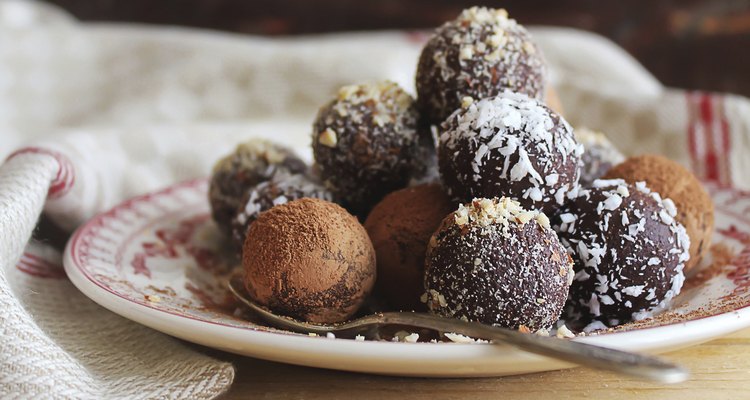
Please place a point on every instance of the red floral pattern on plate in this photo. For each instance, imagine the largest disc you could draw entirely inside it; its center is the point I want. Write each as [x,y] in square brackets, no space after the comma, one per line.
[162,251]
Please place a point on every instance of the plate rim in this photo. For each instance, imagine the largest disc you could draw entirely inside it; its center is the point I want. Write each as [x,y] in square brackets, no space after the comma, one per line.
[731,321]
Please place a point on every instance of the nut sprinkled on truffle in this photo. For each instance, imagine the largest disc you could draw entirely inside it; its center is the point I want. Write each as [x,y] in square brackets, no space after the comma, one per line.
[366,143]
[251,163]
[479,54]
[509,145]
[484,212]
[495,262]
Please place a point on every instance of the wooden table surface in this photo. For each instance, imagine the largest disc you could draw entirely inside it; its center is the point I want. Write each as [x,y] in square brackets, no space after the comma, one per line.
[720,370]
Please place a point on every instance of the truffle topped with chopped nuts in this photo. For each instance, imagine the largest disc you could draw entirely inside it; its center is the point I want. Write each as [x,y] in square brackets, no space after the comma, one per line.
[629,253]
[366,144]
[509,145]
[479,54]
[251,163]
[493,261]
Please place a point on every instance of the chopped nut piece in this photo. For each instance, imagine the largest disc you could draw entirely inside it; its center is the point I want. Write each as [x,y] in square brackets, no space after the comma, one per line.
[328,138]
[543,220]
[529,48]
[542,332]
[348,91]
[564,332]
[411,338]
[153,298]
[525,217]
[467,52]
[466,101]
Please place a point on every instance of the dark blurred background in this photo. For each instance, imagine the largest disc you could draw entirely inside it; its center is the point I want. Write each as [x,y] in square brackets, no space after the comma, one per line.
[692,44]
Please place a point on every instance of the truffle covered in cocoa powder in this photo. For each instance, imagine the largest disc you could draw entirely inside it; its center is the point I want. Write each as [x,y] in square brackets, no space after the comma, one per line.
[366,143]
[495,262]
[251,163]
[309,259]
[280,189]
[695,209]
[480,54]
[400,227]
[629,253]
[509,145]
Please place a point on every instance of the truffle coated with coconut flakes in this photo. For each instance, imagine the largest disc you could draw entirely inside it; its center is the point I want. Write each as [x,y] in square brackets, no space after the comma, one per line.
[494,262]
[479,54]
[695,209]
[366,143]
[599,155]
[509,145]
[629,253]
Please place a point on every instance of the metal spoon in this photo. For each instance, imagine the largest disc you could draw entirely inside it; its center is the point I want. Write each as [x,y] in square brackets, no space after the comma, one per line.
[632,364]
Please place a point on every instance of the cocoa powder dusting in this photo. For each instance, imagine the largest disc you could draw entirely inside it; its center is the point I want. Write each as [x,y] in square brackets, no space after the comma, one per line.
[400,227]
[309,259]
[721,256]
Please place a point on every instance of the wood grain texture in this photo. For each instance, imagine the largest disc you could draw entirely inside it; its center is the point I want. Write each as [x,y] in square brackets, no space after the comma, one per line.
[720,370]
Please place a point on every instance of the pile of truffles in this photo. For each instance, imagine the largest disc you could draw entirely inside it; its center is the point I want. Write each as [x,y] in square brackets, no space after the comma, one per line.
[477,200]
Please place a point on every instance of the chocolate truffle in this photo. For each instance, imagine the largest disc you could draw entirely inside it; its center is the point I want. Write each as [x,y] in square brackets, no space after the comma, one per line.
[480,54]
[309,259]
[366,144]
[280,189]
[494,262]
[599,155]
[628,249]
[400,226]
[509,145]
[427,171]
[695,210]
[251,163]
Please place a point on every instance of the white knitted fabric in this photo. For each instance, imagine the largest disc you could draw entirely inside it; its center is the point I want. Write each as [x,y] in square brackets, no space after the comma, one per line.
[113,111]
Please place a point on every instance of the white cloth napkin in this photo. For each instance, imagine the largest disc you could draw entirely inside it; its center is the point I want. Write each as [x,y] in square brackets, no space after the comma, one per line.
[115,110]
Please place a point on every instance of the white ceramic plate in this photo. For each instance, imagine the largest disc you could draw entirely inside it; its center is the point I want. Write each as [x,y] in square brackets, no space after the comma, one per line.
[159,260]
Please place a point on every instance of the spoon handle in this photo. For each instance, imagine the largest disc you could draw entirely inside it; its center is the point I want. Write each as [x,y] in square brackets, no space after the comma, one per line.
[636,365]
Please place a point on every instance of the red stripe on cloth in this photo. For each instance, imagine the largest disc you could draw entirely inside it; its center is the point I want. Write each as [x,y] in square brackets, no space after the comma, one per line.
[707,117]
[725,145]
[693,128]
[718,141]
[65,178]
[40,268]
